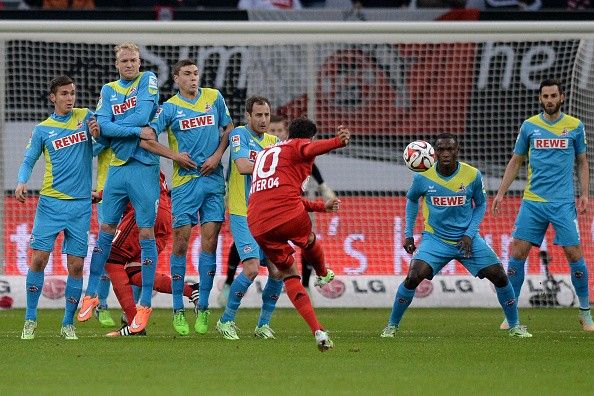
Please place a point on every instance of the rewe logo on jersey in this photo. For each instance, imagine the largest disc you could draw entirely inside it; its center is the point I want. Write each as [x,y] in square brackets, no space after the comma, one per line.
[69,140]
[456,200]
[196,122]
[118,109]
[551,143]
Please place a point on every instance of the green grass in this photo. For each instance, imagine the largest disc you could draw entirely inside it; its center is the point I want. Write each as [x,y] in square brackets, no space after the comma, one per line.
[437,351]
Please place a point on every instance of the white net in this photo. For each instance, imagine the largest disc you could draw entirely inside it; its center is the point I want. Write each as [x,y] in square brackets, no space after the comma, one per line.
[388,93]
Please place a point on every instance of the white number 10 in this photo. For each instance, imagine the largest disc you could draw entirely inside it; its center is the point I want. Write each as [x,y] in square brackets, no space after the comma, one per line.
[259,172]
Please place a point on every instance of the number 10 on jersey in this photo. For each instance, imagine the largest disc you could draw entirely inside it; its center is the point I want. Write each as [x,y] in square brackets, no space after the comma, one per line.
[264,179]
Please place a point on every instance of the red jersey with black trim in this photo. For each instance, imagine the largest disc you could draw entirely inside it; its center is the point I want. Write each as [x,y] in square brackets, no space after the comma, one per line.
[278,180]
[125,247]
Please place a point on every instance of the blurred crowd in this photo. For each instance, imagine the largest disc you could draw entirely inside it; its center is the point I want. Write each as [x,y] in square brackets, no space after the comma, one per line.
[299,4]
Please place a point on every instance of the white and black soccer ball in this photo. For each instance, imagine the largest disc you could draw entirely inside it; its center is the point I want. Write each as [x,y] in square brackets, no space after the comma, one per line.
[419,156]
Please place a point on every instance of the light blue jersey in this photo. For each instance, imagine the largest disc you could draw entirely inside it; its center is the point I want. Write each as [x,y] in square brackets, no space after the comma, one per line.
[67,146]
[125,106]
[193,126]
[447,202]
[244,143]
[551,148]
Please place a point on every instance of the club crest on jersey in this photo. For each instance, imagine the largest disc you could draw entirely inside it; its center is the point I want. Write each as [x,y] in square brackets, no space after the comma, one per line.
[132,91]
[79,125]
[153,84]
[119,109]
[456,200]
[462,188]
[544,144]
[207,108]
[565,132]
[69,140]
[196,122]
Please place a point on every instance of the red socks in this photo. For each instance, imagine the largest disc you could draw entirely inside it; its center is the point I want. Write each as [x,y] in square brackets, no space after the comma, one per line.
[300,299]
[122,289]
[162,283]
[315,255]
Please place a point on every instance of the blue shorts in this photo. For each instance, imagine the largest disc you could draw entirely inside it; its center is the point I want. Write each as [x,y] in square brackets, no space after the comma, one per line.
[73,216]
[437,253]
[534,218]
[136,183]
[204,196]
[244,241]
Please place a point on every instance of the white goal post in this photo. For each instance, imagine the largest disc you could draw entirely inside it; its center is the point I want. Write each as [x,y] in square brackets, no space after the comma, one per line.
[391,83]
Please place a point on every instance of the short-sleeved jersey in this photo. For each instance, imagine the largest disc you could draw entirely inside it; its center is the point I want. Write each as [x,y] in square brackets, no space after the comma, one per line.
[448,201]
[67,146]
[118,100]
[244,143]
[279,176]
[193,126]
[104,155]
[125,245]
[551,148]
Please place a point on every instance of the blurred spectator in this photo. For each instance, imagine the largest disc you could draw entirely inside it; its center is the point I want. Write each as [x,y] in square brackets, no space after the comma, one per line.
[525,5]
[270,4]
[380,3]
[73,4]
[313,3]
[441,3]
[580,4]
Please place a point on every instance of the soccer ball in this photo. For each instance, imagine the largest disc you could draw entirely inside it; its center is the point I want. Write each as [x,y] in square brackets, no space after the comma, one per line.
[419,156]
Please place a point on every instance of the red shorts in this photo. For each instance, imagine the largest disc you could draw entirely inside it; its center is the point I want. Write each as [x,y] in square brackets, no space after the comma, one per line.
[125,247]
[275,243]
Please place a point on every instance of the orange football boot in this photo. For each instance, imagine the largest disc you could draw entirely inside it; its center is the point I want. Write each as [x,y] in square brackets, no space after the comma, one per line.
[86,308]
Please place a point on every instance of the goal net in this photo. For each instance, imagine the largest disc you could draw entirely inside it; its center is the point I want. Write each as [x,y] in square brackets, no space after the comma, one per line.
[389,83]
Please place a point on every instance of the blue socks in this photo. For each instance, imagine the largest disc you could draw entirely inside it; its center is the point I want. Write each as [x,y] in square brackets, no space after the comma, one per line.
[402,300]
[148,258]
[136,291]
[34,284]
[178,274]
[207,267]
[515,273]
[72,296]
[238,289]
[579,279]
[98,260]
[103,290]
[270,296]
[509,303]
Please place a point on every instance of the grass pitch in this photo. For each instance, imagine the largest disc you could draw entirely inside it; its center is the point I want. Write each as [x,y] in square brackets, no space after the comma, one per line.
[437,351]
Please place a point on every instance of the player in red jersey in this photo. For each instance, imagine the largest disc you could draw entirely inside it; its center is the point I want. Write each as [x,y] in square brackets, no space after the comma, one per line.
[277,213]
[123,264]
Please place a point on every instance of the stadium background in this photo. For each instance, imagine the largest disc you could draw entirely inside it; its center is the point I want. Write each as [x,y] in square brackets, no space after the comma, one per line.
[388,93]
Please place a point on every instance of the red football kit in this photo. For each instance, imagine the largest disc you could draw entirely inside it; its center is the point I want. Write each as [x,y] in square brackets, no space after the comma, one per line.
[125,247]
[126,250]
[277,213]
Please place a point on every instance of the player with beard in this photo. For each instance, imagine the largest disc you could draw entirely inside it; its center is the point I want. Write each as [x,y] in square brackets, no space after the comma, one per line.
[553,142]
